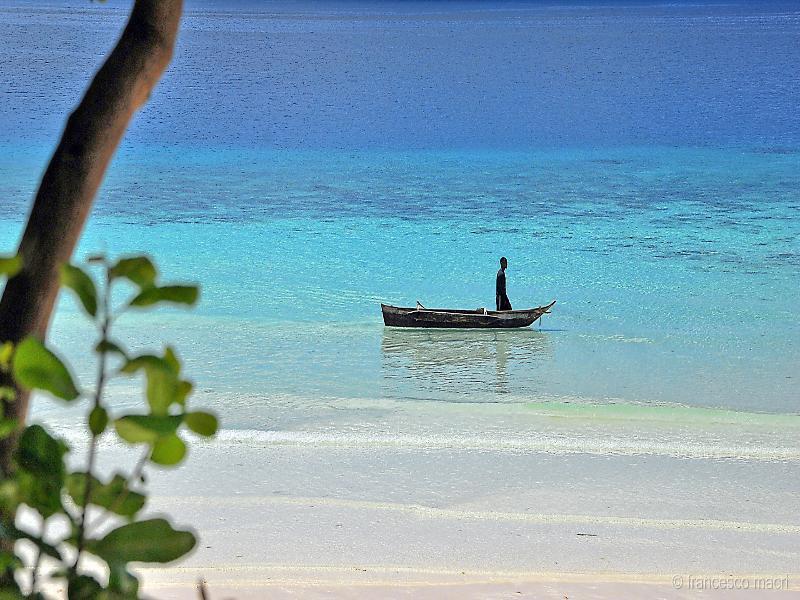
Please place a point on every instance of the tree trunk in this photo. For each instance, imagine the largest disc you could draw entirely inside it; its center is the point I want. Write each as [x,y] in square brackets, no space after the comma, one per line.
[68,187]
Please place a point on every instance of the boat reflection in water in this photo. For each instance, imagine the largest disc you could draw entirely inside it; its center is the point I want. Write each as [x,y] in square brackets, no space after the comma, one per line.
[463,365]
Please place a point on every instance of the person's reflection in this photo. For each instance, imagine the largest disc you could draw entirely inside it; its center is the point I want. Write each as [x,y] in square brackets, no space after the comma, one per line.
[501,360]
[465,366]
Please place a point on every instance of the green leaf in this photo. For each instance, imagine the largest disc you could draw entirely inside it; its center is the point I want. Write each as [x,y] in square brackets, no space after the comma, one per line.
[172,359]
[161,390]
[109,347]
[7,394]
[177,294]
[137,269]
[184,388]
[40,453]
[163,385]
[79,282]
[40,472]
[10,265]
[148,362]
[137,429]
[83,587]
[8,560]
[168,450]
[114,496]
[43,494]
[35,367]
[130,503]
[202,423]
[149,541]
[9,495]
[122,585]
[7,427]
[75,485]
[98,420]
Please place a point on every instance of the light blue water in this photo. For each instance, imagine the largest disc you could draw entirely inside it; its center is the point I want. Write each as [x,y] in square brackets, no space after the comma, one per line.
[638,162]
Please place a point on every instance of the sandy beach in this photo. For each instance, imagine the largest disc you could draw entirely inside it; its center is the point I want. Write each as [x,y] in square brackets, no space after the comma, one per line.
[371,514]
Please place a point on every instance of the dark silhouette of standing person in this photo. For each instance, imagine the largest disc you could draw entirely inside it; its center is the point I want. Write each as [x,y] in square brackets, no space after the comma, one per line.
[500,296]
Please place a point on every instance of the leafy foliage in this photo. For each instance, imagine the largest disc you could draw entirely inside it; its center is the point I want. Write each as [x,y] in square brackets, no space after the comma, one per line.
[79,282]
[179,294]
[36,367]
[152,540]
[41,480]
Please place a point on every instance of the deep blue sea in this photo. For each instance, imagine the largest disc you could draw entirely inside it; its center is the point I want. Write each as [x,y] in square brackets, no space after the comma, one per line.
[639,162]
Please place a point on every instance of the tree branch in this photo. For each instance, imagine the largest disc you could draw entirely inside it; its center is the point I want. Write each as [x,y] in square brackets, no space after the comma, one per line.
[68,187]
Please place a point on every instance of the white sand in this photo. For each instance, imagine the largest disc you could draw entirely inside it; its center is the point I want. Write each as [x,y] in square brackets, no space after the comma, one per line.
[339,523]
[422,505]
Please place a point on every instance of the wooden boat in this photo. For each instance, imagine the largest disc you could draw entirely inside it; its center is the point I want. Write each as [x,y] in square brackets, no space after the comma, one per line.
[480,318]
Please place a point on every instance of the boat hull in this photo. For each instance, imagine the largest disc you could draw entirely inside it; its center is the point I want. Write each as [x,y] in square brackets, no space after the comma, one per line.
[448,318]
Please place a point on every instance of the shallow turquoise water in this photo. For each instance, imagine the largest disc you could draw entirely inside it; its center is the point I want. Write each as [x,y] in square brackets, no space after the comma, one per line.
[646,177]
[681,297]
